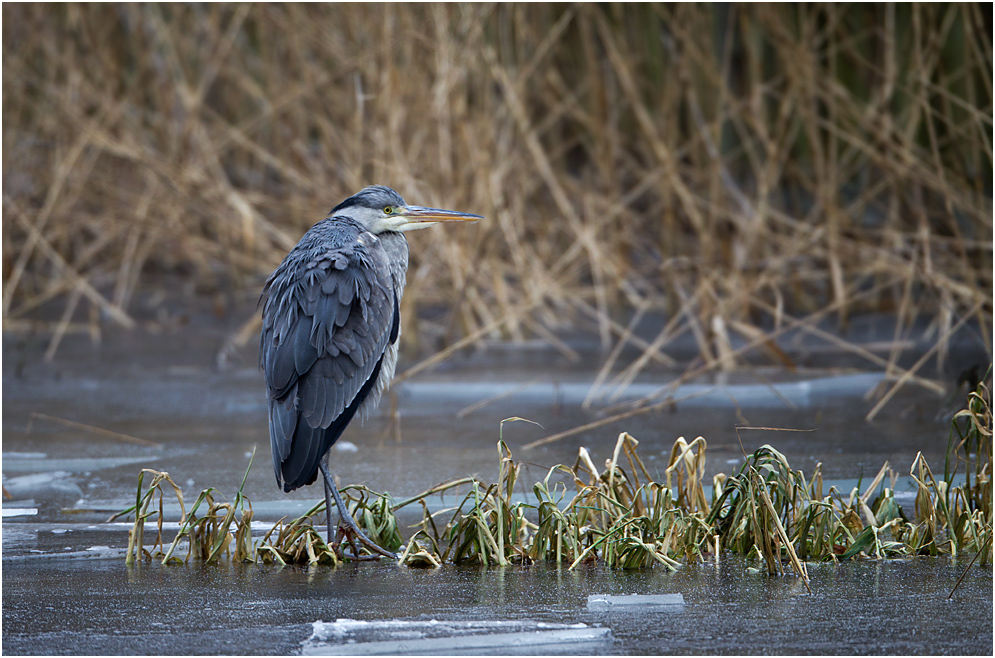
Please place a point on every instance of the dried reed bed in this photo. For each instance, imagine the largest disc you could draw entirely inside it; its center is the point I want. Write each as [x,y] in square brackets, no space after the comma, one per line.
[742,170]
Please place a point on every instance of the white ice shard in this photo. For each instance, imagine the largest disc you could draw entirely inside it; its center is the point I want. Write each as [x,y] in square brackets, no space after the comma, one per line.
[397,636]
[634,602]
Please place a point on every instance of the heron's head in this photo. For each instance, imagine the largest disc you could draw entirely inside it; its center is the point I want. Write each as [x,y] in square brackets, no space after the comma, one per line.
[382,209]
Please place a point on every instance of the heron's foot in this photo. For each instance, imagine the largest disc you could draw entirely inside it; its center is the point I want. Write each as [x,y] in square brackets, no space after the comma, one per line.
[346,522]
[346,533]
[343,532]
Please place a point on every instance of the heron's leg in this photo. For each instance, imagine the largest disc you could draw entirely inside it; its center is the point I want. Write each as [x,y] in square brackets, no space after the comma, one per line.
[328,519]
[346,518]
[328,513]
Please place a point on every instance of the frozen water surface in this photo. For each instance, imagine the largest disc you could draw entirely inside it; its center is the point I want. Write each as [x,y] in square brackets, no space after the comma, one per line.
[65,605]
[66,588]
[433,428]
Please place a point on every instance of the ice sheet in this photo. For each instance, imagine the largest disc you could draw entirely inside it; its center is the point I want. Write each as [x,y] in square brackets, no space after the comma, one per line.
[397,636]
[78,465]
[799,394]
[634,602]
[45,486]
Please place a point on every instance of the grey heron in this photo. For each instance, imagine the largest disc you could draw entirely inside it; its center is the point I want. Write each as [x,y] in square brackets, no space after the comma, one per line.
[330,333]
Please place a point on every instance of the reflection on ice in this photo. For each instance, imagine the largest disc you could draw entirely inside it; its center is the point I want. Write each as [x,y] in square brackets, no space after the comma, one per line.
[396,636]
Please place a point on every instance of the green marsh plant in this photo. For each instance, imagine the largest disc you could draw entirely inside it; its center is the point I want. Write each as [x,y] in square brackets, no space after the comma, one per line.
[620,516]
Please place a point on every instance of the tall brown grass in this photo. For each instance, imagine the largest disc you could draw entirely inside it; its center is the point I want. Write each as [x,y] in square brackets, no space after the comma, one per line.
[743,170]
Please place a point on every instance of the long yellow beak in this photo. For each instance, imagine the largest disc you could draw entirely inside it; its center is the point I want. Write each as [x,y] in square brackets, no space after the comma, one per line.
[420,217]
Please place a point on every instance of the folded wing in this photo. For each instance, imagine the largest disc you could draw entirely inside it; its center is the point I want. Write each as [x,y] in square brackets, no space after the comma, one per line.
[330,314]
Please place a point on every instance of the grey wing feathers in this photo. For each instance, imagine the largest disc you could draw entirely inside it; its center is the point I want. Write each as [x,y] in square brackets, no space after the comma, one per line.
[327,321]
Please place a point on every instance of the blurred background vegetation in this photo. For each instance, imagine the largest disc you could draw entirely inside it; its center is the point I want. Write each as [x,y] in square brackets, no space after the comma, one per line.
[735,170]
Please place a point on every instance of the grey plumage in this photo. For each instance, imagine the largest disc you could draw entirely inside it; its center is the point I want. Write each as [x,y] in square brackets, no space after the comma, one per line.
[331,325]
[330,320]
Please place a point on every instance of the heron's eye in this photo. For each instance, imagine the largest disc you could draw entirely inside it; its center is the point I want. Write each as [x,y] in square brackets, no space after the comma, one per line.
[388,210]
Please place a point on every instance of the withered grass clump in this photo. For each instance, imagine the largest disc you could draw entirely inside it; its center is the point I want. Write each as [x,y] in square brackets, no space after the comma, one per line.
[967,510]
[743,170]
[209,536]
[622,517]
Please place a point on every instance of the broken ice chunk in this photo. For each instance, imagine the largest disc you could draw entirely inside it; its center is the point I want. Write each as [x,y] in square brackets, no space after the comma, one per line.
[396,636]
[633,602]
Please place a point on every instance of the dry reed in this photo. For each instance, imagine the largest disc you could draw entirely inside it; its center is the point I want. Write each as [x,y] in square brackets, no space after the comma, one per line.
[735,168]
